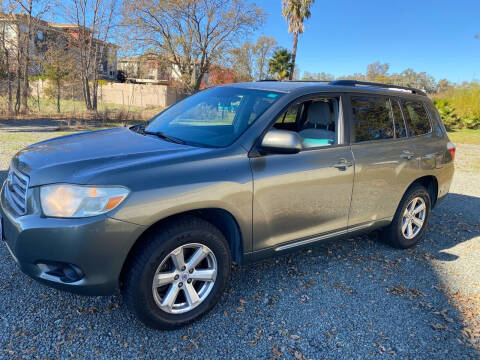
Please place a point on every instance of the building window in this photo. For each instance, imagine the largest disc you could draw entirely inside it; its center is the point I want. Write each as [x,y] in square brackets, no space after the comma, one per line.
[40,35]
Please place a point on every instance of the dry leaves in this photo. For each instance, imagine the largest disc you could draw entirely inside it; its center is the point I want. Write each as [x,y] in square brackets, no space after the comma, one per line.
[439,327]
[276,352]
[298,355]
[400,290]
[444,315]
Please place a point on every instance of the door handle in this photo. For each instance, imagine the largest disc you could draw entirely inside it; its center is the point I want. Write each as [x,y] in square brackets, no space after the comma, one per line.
[406,154]
[343,164]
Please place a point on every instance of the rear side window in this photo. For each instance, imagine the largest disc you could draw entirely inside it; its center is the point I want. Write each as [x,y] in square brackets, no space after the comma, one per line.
[372,118]
[398,119]
[441,131]
[416,118]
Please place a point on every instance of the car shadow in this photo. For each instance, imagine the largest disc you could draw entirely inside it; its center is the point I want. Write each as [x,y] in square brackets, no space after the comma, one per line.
[412,289]
[353,298]
[3,176]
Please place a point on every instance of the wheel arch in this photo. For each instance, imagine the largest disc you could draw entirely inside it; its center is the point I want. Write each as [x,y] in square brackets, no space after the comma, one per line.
[430,182]
[220,218]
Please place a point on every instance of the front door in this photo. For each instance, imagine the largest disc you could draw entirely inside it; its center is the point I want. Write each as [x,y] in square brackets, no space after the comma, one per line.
[299,196]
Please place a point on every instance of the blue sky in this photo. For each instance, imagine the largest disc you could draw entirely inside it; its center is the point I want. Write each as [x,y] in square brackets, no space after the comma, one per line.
[344,36]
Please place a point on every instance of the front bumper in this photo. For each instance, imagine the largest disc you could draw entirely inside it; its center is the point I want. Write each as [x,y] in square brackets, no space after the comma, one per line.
[97,246]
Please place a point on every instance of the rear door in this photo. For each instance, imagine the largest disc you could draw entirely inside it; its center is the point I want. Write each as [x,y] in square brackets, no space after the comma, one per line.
[384,158]
[299,196]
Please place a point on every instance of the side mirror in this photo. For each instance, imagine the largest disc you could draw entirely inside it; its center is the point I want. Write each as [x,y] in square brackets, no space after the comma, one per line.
[281,142]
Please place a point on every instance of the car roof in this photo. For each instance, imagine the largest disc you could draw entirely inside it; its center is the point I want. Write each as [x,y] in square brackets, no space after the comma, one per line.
[332,86]
[280,86]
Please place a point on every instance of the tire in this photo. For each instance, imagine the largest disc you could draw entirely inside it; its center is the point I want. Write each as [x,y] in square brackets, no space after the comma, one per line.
[150,303]
[395,234]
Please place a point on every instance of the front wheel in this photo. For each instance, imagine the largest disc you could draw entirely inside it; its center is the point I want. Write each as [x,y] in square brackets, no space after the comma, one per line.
[178,274]
[410,221]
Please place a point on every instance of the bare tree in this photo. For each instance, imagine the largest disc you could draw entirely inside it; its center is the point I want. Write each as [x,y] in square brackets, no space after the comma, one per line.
[317,76]
[94,22]
[6,49]
[250,61]
[265,48]
[19,21]
[243,58]
[192,34]
[28,18]
[376,69]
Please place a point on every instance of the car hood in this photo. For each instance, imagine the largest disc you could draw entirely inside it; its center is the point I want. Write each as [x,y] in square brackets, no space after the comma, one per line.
[80,158]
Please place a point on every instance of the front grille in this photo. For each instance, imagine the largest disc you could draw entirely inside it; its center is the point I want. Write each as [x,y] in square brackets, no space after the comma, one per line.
[16,190]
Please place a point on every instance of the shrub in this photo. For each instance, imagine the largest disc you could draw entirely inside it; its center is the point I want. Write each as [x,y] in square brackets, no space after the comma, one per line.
[461,109]
[447,112]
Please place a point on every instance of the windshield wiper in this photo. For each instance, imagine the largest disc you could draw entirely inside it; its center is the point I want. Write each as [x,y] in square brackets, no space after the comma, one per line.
[164,136]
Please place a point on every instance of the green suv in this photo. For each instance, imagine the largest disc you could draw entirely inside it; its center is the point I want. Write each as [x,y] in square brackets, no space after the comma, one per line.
[234,173]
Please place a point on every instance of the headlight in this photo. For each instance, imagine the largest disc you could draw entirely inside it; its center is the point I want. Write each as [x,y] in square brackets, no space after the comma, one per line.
[75,201]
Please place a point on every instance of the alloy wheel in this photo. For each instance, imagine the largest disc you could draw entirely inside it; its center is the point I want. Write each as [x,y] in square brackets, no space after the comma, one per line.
[184,278]
[413,218]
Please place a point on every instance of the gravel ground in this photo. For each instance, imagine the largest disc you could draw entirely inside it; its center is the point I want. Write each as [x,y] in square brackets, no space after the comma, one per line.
[355,299]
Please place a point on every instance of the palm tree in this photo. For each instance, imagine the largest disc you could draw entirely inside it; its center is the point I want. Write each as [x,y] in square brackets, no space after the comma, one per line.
[296,11]
[280,64]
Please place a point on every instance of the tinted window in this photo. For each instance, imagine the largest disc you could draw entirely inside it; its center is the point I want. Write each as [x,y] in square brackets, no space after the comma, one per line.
[372,118]
[441,131]
[398,119]
[416,118]
[316,121]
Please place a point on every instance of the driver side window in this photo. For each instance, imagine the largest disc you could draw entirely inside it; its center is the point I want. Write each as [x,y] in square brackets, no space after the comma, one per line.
[316,121]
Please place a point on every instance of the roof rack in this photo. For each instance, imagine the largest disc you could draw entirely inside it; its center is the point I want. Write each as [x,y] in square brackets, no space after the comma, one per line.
[381,85]
[300,81]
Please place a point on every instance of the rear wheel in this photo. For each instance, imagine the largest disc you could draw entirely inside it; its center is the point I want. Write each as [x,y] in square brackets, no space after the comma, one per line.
[178,275]
[410,221]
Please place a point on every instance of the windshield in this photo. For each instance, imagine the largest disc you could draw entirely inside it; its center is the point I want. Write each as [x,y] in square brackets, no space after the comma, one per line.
[215,117]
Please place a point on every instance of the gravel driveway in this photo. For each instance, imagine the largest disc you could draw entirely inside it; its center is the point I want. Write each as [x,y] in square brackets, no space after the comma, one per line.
[353,299]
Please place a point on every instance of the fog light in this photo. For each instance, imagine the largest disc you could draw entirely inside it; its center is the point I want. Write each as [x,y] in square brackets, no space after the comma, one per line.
[66,273]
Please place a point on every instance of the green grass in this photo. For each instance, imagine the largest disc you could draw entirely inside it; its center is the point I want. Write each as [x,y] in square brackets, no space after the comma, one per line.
[44,107]
[11,142]
[465,136]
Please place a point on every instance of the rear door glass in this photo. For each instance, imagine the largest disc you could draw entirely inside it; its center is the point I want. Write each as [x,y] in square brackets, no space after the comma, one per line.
[416,117]
[398,119]
[372,118]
